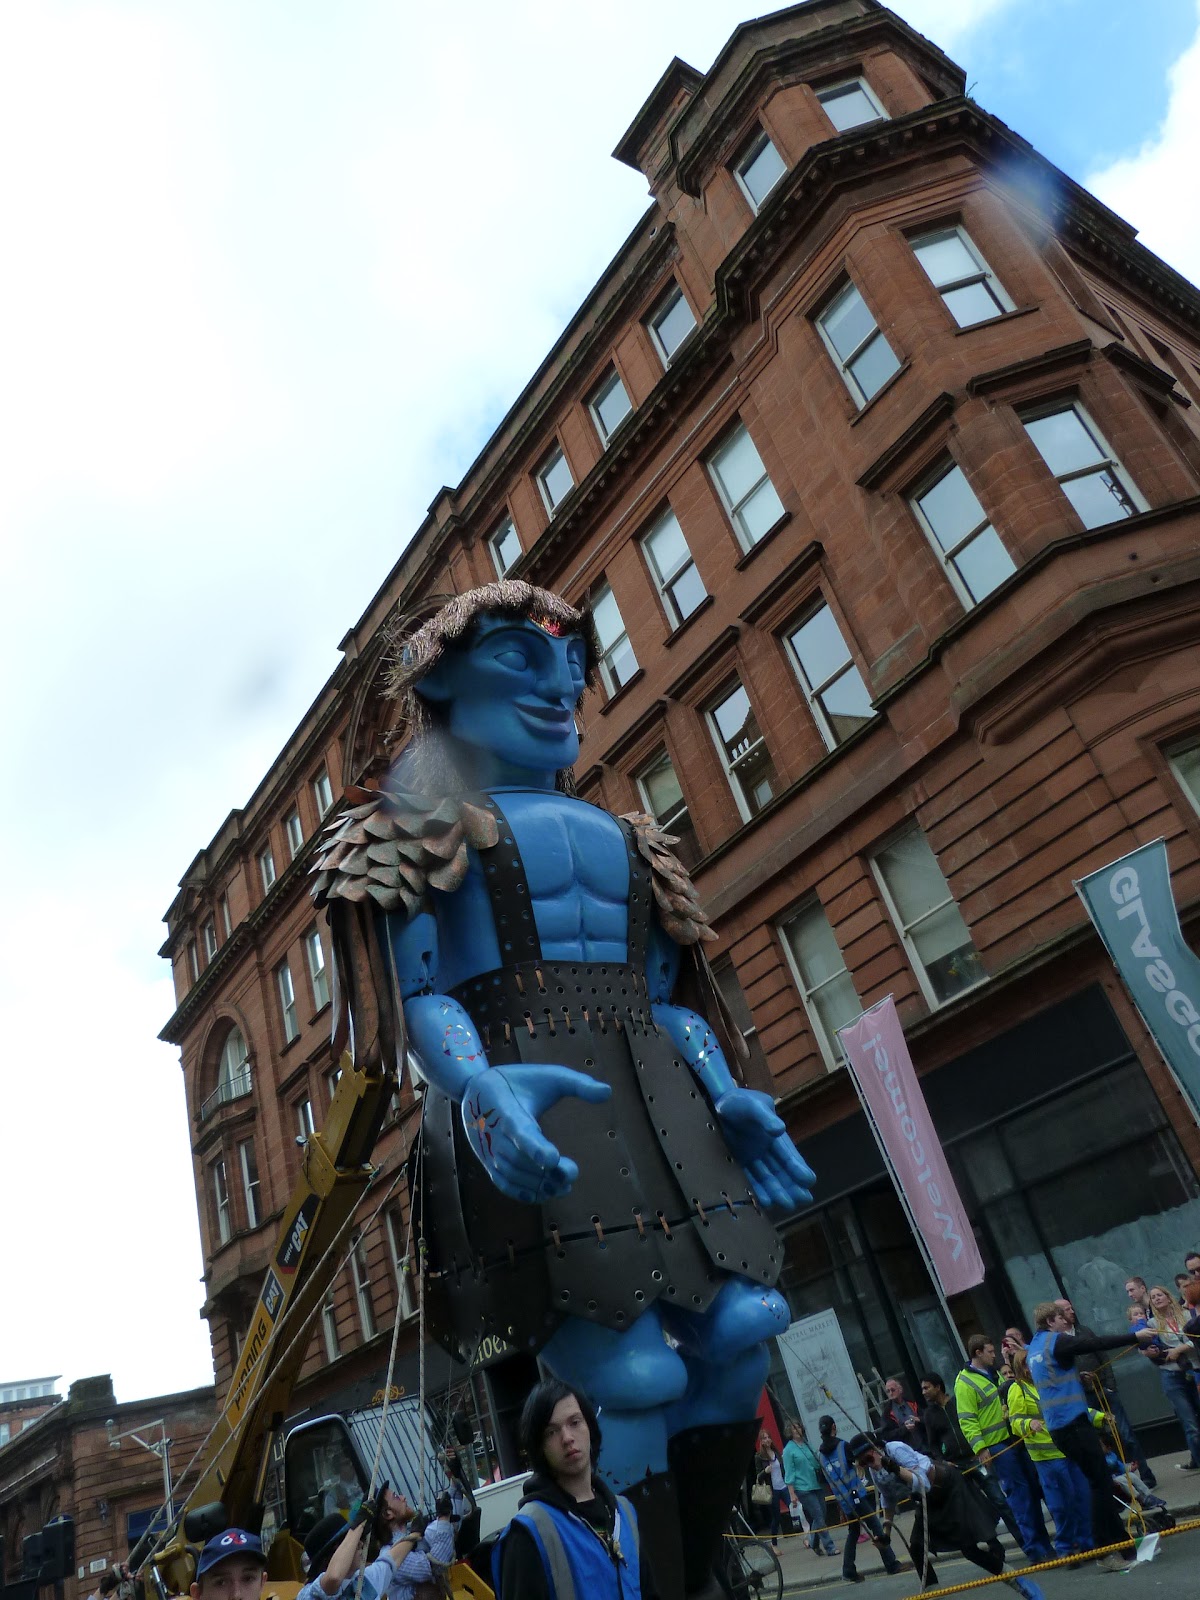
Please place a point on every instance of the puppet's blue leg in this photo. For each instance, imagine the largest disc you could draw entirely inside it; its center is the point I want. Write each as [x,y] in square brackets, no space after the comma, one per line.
[725,1349]
[632,1378]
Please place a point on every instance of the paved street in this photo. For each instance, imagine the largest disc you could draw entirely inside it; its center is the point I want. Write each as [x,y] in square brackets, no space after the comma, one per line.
[1177,1562]
[1171,1574]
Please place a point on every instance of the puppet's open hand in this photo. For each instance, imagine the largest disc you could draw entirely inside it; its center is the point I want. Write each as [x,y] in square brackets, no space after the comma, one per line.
[500,1110]
[760,1145]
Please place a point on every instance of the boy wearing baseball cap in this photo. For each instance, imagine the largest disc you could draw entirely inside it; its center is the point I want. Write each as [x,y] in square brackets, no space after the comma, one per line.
[231,1567]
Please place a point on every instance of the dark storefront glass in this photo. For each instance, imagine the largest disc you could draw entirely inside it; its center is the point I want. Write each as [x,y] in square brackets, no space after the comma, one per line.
[1078,1194]
[1069,1195]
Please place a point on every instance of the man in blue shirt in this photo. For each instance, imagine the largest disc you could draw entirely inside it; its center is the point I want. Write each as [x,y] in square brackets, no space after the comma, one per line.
[334,1551]
[947,1515]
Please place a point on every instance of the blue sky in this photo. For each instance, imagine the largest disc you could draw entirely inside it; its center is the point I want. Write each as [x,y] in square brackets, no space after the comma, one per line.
[1042,66]
[272,274]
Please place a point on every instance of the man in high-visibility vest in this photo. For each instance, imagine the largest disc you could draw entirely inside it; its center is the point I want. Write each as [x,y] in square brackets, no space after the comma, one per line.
[1052,1354]
[984,1422]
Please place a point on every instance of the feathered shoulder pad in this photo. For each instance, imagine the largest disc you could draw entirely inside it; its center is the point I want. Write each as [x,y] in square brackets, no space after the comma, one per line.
[392,845]
[679,909]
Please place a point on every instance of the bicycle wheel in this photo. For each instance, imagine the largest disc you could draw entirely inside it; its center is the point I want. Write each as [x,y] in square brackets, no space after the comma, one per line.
[755,1569]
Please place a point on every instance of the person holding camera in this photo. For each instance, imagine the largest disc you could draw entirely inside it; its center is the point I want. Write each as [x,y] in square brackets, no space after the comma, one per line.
[334,1550]
[853,1495]
[947,1515]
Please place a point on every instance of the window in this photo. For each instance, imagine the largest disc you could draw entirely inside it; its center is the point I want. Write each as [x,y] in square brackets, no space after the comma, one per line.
[404,1283]
[208,935]
[220,1186]
[287,1002]
[833,685]
[1090,476]
[670,323]
[505,547]
[609,406]
[226,919]
[663,798]
[745,489]
[555,480]
[850,105]
[316,968]
[617,660]
[329,1329]
[743,751]
[930,924]
[362,1290]
[969,288]
[295,833]
[863,356]
[968,545]
[249,1168]
[304,1118]
[1185,764]
[266,867]
[322,792]
[674,571]
[819,968]
[759,170]
[5,1432]
[332,1078]
[193,960]
[233,1075]
[739,1012]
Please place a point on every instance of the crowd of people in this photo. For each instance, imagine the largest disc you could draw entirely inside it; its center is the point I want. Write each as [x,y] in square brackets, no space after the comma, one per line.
[1039,1424]
[1038,1421]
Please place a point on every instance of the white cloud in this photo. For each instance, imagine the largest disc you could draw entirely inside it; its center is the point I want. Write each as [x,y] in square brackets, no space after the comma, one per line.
[271,273]
[126,367]
[1156,188]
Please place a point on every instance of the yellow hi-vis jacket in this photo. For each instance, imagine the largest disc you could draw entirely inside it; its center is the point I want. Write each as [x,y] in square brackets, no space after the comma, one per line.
[981,1414]
[1024,1411]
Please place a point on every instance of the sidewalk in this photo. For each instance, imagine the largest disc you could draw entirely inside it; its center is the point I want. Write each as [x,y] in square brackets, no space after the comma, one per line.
[803,1569]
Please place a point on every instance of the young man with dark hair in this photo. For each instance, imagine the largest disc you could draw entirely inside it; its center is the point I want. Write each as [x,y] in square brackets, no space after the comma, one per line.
[572,1538]
[231,1567]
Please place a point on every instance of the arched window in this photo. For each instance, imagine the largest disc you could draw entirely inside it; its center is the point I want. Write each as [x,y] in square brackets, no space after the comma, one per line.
[233,1073]
[234,1076]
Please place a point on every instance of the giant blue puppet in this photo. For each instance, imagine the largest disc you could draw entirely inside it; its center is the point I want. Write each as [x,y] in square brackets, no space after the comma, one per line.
[592,1181]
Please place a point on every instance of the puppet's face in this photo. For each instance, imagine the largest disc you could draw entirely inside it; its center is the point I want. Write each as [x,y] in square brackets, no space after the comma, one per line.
[512,692]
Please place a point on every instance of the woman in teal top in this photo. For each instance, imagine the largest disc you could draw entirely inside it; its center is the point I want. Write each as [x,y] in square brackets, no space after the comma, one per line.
[802,1475]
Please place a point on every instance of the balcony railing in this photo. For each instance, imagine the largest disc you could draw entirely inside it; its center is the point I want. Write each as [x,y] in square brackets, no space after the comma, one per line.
[235,1087]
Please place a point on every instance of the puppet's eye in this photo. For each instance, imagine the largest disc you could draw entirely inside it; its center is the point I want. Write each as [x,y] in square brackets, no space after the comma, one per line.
[510,657]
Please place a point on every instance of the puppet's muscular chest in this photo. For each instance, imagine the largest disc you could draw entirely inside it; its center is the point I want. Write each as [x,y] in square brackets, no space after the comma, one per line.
[576,863]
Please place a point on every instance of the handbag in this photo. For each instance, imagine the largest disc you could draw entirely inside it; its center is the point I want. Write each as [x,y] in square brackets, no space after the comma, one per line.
[760,1494]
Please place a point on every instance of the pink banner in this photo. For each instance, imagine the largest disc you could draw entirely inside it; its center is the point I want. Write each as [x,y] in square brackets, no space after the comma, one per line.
[879,1060]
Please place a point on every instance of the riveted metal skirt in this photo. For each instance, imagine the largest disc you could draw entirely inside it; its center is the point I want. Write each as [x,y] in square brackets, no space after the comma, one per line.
[660,1210]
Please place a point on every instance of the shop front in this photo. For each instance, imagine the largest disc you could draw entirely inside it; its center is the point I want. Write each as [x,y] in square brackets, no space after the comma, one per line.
[1071,1176]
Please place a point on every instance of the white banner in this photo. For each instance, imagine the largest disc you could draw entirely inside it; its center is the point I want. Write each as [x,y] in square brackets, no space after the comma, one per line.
[822,1376]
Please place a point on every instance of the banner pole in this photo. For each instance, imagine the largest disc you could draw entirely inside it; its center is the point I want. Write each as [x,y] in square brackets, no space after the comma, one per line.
[890,1169]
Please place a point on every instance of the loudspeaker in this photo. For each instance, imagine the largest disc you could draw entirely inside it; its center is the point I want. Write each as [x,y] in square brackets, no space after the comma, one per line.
[58,1549]
[31,1555]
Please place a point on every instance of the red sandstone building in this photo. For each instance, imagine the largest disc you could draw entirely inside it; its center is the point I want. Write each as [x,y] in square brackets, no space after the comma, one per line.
[89,1458]
[875,452]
